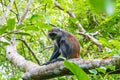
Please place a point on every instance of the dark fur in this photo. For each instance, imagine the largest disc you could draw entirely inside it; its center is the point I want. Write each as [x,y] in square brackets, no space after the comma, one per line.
[66,45]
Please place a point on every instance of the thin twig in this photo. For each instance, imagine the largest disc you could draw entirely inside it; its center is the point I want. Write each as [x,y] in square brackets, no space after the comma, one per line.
[10,10]
[25,12]
[29,48]
[70,14]
[32,11]
[48,47]
[17,15]
[6,12]
[45,35]
[2,5]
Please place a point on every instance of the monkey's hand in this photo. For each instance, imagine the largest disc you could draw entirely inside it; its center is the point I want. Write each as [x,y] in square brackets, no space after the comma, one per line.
[46,63]
[54,60]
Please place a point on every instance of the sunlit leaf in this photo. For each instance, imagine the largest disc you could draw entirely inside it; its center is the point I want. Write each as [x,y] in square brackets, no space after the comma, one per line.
[32,28]
[13,79]
[103,5]
[115,43]
[3,43]
[44,26]
[110,67]
[94,71]
[104,41]
[76,70]
[34,17]
[109,7]
[102,69]
[3,29]
[11,24]
[20,27]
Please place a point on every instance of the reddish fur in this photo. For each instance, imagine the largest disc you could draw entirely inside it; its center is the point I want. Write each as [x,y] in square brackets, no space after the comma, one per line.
[66,45]
[73,42]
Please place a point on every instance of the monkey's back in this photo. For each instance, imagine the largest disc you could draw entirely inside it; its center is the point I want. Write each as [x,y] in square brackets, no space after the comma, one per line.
[74,46]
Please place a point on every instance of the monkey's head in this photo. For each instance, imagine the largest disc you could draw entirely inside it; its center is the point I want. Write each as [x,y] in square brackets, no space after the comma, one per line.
[55,33]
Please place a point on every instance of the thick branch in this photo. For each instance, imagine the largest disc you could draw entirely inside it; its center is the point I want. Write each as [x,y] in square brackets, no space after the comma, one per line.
[57,69]
[16,59]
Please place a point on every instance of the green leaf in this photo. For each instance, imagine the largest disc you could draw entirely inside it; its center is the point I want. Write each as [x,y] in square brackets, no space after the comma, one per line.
[109,7]
[102,69]
[34,18]
[110,67]
[33,28]
[94,71]
[13,79]
[97,4]
[21,26]
[3,29]
[104,41]
[11,24]
[76,70]
[43,25]
[115,43]
[3,43]
[74,20]
[103,5]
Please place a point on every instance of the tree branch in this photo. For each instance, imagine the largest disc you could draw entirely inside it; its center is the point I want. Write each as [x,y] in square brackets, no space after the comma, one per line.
[70,14]
[6,12]
[25,12]
[16,59]
[17,15]
[83,31]
[10,10]
[57,69]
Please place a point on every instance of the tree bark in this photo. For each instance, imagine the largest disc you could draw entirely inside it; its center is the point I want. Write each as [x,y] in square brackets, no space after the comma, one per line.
[57,69]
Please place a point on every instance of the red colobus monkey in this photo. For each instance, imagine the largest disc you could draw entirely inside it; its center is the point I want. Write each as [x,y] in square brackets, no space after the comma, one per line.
[66,45]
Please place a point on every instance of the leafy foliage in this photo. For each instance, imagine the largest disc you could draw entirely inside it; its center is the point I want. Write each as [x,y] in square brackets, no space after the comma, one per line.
[94,15]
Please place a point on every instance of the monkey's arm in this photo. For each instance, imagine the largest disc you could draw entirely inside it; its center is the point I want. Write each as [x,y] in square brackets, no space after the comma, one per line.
[54,56]
[55,53]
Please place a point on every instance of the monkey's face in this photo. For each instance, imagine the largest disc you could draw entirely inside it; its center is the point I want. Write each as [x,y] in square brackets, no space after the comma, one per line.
[55,33]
